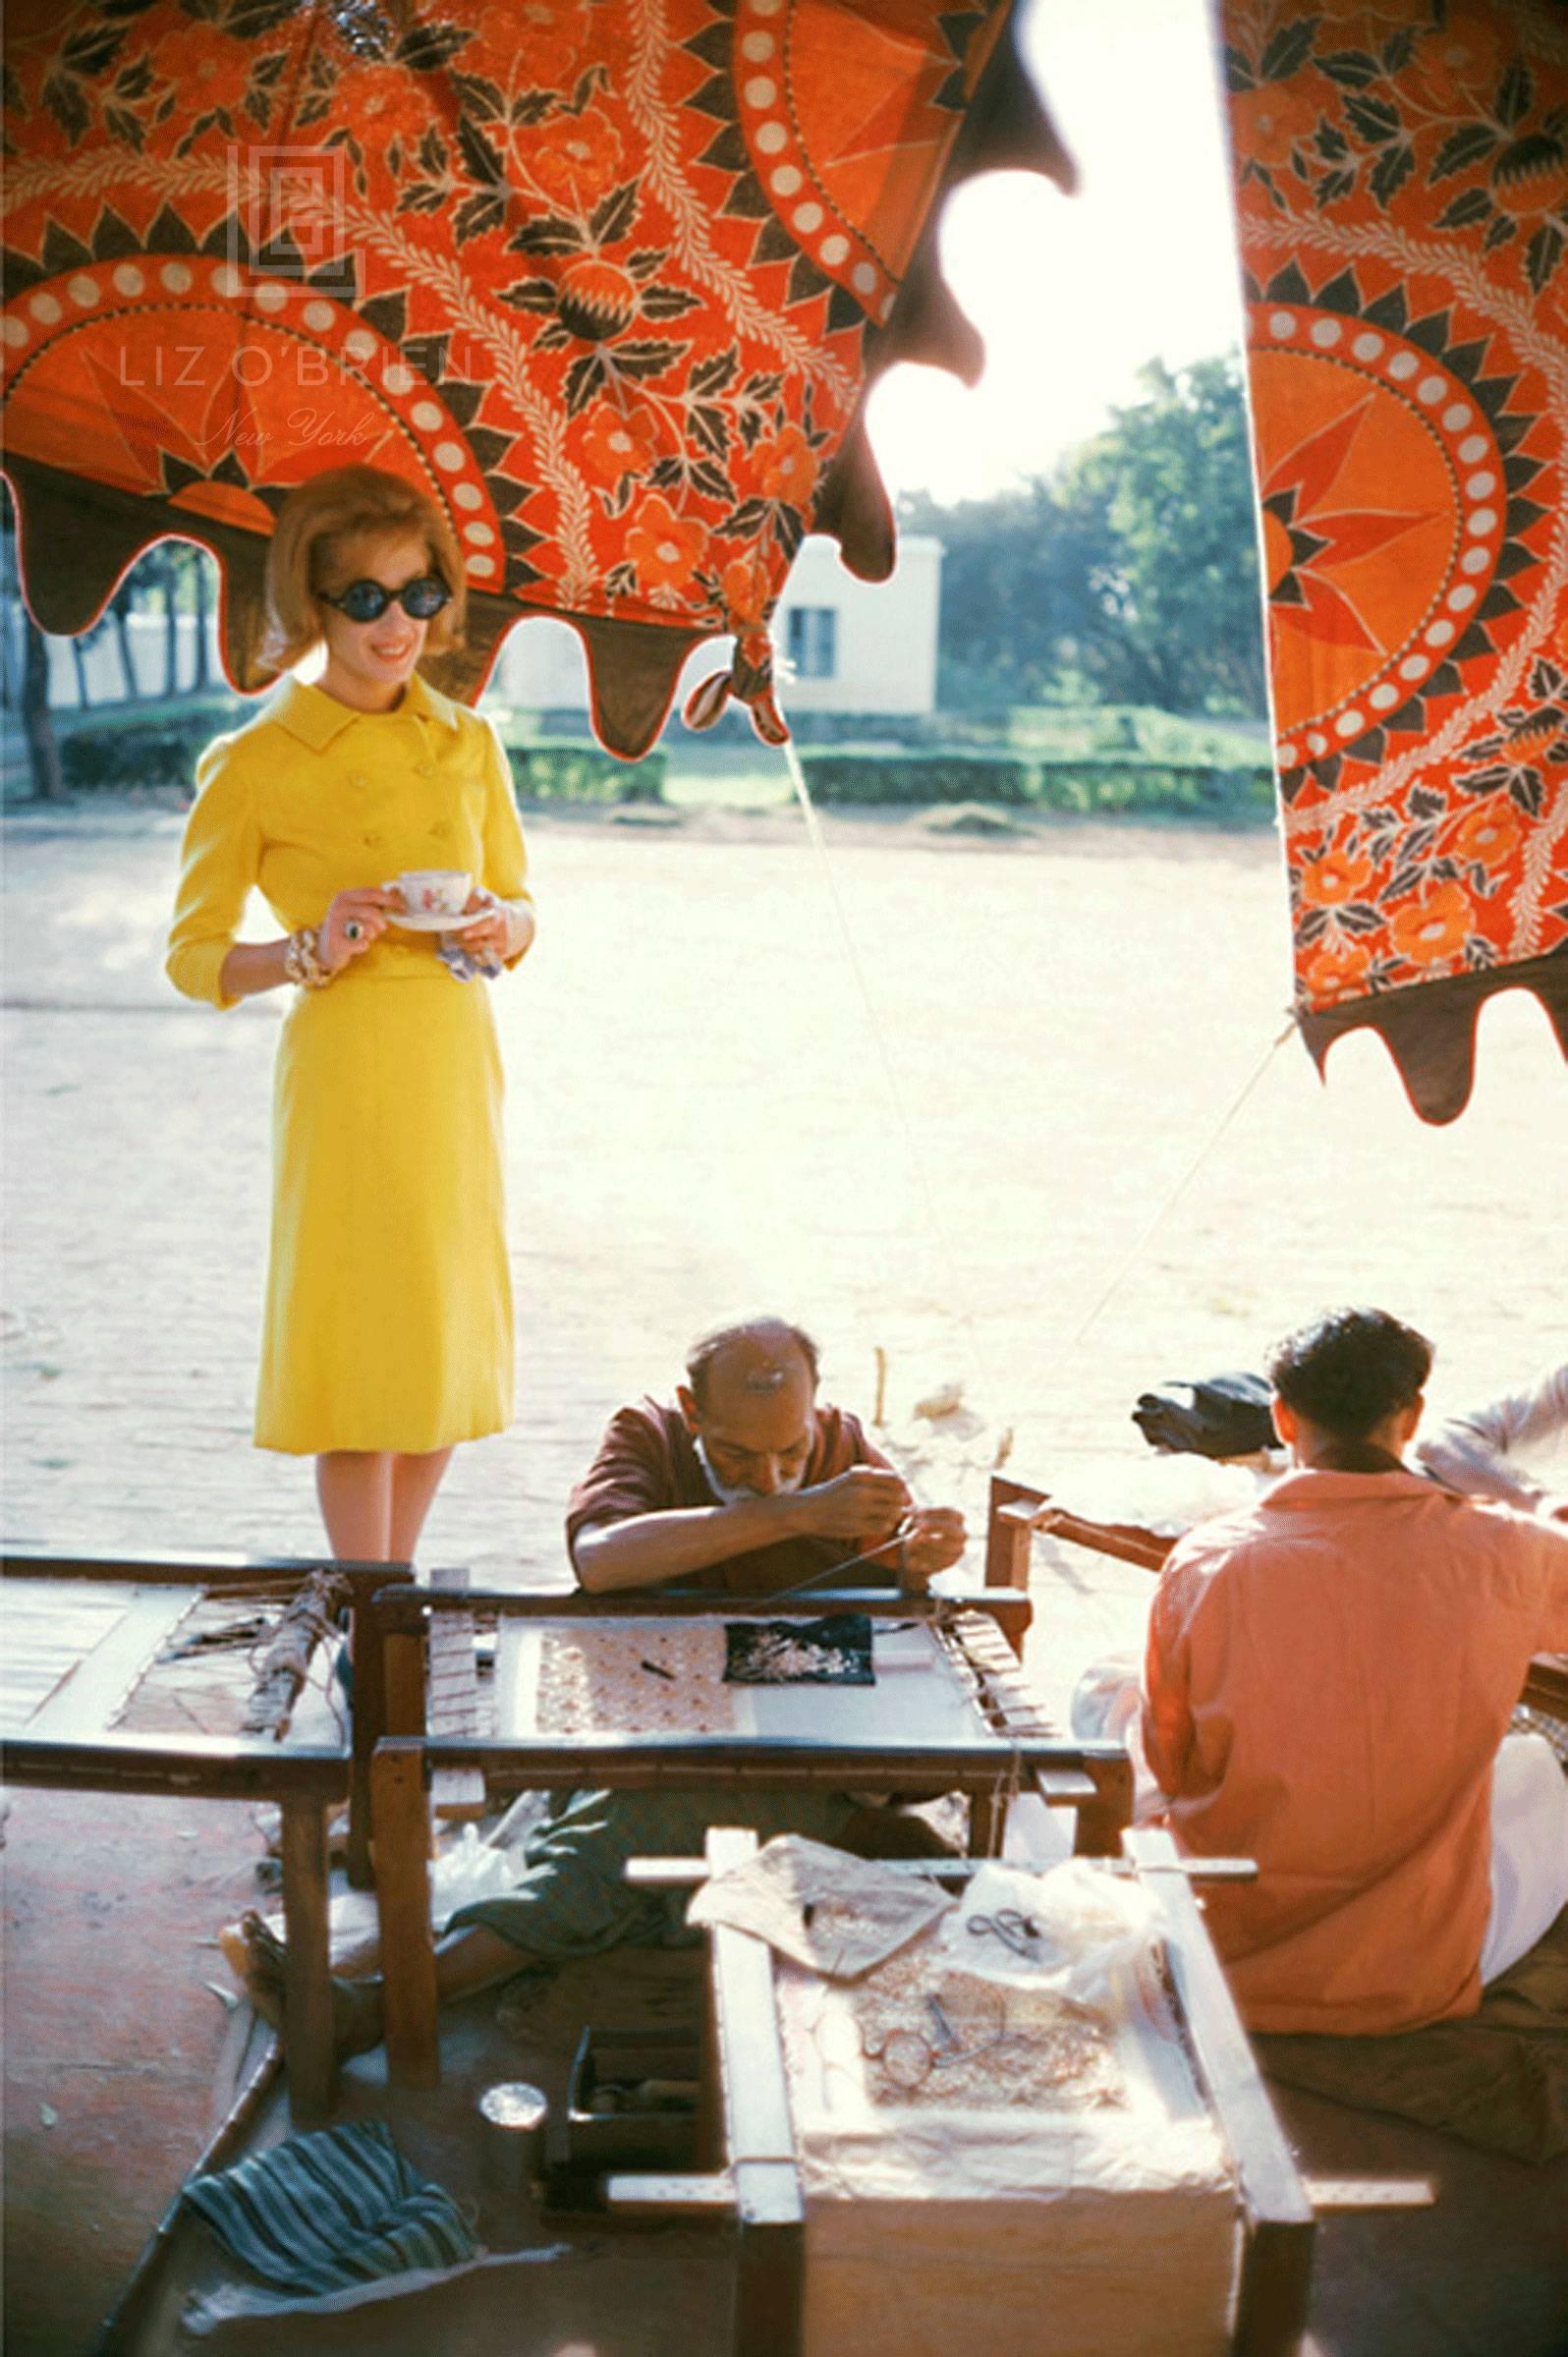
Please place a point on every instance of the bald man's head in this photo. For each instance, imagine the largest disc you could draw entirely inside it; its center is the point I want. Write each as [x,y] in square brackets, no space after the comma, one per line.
[757,1355]
[749,1402]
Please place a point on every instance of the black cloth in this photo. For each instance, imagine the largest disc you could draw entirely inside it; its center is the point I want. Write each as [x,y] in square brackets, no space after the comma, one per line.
[1221,1416]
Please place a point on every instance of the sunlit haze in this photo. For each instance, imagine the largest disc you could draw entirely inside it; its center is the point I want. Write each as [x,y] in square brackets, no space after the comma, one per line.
[1074,295]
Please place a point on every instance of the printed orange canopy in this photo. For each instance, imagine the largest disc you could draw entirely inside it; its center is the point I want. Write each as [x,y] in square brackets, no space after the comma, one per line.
[1401,174]
[612,277]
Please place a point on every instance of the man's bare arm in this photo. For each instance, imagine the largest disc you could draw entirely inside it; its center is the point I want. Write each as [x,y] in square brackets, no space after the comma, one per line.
[865,1504]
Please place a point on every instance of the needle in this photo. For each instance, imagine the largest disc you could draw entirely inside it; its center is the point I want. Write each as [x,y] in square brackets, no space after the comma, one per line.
[832,1571]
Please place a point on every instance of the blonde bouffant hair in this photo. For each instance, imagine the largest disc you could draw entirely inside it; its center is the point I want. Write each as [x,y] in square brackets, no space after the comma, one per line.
[323,526]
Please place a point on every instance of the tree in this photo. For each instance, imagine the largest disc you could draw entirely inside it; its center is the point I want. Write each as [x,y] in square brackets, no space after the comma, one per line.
[33,689]
[199,562]
[1173,477]
[1129,574]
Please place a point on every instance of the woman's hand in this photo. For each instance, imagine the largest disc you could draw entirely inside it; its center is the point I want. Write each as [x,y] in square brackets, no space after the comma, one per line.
[505,929]
[353,921]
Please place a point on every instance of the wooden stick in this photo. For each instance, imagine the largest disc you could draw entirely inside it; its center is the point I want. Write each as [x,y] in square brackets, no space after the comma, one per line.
[120,2332]
[401,1606]
[684,1874]
[286,1663]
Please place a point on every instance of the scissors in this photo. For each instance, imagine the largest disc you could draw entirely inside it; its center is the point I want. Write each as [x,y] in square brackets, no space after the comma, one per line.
[1014,1930]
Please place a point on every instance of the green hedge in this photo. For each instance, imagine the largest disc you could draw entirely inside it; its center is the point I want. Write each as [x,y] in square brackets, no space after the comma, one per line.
[125,747]
[128,747]
[570,769]
[1107,782]
[896,774]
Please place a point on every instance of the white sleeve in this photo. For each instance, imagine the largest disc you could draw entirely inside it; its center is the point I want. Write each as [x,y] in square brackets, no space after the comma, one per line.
[1479,1452]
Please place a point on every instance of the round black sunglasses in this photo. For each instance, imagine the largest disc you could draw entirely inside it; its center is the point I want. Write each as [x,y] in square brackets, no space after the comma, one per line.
[367,600]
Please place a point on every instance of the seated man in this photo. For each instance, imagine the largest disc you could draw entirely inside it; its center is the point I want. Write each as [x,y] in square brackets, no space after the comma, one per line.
[1514,1450]
[748,1485]
[751,1486]
[1330,1678]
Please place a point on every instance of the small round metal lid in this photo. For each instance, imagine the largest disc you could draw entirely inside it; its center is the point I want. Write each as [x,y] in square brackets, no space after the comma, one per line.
[514,2104]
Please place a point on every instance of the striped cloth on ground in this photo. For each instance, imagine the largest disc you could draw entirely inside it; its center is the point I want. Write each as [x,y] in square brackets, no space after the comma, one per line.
[325,2210]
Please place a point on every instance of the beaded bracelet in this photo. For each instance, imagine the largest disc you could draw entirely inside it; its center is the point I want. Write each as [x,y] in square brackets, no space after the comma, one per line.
[301,960]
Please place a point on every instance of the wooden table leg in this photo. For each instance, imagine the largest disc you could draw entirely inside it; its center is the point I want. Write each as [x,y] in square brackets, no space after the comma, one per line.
[1103,1820]
[367,1653]
[988,1826]
[307,2038]
[400,1816]
[759,2134]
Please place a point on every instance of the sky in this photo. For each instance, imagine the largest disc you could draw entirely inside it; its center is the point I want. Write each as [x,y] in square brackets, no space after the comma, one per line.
[1074,295]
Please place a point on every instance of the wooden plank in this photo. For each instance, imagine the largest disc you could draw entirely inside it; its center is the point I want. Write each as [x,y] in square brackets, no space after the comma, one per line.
[1546,1685]
[1277,2253]
[1125,1540]
[368,1657]
[1371,2193]
[400,1824]
[403,1656]
[759,2131]
[1103,1821]
[758,2123]
[367,1725]
[770,2261]
[517,1675]
[205,1767]
[85,1704]
[1008,1533]
[178,1568]
[688,2196]
[307,2038]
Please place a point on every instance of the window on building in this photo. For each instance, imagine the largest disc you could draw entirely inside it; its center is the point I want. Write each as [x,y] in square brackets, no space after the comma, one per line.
[814,642]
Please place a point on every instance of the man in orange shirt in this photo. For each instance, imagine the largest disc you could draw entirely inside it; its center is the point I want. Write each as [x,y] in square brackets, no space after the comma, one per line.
[1330,1678]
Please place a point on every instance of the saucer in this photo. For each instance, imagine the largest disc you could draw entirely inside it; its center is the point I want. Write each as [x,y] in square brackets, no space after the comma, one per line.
[431,923]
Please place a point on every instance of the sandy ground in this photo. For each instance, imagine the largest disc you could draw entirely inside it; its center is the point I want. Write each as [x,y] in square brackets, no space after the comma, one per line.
[935,1102]
[929,1099]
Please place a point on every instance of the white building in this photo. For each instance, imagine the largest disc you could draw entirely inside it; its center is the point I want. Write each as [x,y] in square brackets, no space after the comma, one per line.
[844,645]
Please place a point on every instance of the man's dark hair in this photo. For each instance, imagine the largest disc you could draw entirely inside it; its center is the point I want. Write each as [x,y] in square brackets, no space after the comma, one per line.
[775,1336]
[1350,1370]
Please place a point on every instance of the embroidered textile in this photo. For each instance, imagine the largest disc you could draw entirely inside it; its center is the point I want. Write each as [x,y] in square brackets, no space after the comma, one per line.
[1401,172]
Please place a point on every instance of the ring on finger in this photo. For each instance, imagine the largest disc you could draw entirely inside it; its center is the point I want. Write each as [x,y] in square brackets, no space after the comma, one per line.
[352,930]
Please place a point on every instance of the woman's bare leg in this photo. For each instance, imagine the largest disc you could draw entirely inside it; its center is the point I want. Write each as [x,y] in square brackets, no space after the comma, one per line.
[354,1486]
[415,1482]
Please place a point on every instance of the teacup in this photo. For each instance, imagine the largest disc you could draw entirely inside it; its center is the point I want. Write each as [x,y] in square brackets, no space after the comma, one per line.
[434,891]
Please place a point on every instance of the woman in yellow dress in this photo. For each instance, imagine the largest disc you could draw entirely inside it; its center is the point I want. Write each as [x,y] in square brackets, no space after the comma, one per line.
[388,1326]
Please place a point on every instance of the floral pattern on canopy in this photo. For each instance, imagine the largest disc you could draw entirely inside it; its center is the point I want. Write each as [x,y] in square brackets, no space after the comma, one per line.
[1401,179]
[612,277]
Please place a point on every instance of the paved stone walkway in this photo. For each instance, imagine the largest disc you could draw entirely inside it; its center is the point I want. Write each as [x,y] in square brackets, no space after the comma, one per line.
[704,1113]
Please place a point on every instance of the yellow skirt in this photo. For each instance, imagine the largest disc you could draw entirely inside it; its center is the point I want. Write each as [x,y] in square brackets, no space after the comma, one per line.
[389,1306]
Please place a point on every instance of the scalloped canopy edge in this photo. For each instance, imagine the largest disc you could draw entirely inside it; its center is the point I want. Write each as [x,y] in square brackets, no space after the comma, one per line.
[1430,1028]
[76,541]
